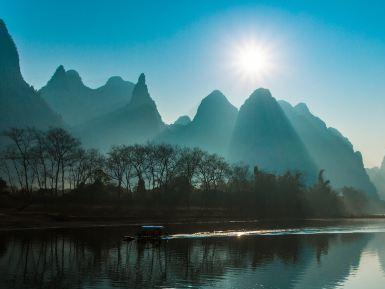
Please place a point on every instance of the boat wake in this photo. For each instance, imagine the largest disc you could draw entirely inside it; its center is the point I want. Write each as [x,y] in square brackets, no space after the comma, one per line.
[280,232]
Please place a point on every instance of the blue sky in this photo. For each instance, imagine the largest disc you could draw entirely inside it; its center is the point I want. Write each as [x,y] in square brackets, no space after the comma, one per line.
[328,54]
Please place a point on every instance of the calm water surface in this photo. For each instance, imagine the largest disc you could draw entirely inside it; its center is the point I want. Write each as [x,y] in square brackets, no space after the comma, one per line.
[317,254]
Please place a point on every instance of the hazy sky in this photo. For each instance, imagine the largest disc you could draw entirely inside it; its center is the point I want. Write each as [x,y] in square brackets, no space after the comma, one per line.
[328,54]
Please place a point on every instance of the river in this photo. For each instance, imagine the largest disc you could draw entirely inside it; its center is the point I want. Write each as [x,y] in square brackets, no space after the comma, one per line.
[312,254]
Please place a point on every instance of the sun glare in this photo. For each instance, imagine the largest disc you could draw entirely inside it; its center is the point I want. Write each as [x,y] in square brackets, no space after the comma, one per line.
[252,60]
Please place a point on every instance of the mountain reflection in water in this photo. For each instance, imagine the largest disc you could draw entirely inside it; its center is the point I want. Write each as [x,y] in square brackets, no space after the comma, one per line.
[99,258]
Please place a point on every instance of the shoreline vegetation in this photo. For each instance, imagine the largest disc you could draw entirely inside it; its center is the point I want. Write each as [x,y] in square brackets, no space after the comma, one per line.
[48,179]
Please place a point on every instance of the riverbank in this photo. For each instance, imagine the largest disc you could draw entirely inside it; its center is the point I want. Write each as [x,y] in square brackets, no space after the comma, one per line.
[36,217]
[109,216]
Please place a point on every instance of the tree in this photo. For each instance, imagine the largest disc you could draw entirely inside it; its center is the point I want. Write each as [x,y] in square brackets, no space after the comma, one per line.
[40,160]
[62,149]
[7,169]
[289,197]
[84,166]
[264,188]
[166,159]
[3,186]
[151,165]
[129,172]
[20,151]
[213,171]
[188,163]
[322,200]
[356,203]
[116,164]
[37,159]
[239,177]
[138,156]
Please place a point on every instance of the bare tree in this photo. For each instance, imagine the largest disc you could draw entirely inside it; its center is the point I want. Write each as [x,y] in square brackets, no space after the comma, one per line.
[6,170]
[83,166]
[62,148]
[189,162]
[213,171]
[151,164]
[20,150]
[96,164]
[138,156]
[129,172]
[115,164]
[40,159]
[166,159]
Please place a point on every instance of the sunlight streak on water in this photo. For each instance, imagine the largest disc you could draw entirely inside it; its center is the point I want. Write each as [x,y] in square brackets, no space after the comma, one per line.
[278,232]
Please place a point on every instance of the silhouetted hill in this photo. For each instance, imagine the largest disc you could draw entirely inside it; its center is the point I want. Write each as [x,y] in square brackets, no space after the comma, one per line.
[274,136]
[182,120]
[20,104]
[137,122]
[77,103]
[329,149]
[263,136]
[377,176]
[209,130]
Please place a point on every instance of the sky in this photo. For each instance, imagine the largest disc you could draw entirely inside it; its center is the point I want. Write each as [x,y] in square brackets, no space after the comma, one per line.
[328,54]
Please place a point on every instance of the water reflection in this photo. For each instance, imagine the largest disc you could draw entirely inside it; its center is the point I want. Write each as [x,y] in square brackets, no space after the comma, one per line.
[98,258]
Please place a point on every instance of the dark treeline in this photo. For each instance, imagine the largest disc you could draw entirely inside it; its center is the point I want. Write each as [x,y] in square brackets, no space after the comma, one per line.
[41,165]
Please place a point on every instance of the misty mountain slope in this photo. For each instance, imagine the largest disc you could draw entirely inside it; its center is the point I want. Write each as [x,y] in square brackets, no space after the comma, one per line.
[137,122]
[329,149]
[264,137]
[377,176]
[182,120]
[210,129]
[66,93]
[20,104]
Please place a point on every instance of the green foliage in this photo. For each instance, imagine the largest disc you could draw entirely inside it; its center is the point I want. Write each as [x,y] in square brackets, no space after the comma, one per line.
[355,201]
[322,200]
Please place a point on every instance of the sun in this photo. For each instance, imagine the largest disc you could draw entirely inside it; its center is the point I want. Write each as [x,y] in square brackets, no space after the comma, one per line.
[252,60]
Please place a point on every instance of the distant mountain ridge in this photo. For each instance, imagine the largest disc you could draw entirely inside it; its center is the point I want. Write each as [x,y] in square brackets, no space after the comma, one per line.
[210,129]
[137,122]
[377,176]
[20,105]
[263,136]
[66,93]
[330,150]
[274,136]
[182,120]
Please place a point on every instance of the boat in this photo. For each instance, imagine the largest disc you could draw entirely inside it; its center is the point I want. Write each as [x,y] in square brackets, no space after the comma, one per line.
[148,233]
